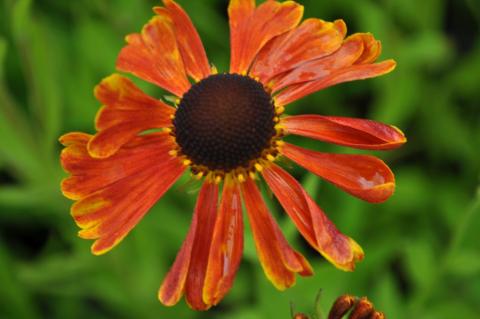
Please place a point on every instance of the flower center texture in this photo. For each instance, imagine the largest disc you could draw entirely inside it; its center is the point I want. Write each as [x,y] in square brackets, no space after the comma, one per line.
[225,122]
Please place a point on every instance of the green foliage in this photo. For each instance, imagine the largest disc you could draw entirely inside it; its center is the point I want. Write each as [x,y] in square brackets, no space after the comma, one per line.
[422,248]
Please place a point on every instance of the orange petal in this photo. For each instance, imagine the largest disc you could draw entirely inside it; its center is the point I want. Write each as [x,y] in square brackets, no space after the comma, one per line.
[351,49]
[127,111]
[279,261]
[207,211]
[115,193]
[313,39]
[227,246]
[239,11]
[89,175]
[358,133]
[188,263]
[154,56]
[363,176]
[353,61]
[356,72]
[311,221]
[188,40]
[251,33]
[74,138]
[372,48]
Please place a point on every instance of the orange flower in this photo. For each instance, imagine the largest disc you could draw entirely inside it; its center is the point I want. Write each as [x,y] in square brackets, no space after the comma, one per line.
[227,129]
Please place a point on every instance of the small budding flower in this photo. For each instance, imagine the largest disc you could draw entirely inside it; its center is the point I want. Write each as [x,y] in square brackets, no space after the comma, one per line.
[227,130]
[341,306]
[362,308]
[356,308]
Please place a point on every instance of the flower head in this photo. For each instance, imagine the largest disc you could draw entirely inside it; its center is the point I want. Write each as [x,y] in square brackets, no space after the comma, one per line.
[227,130]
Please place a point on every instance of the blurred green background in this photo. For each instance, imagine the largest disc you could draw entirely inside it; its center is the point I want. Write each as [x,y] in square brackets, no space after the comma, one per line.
[422,246]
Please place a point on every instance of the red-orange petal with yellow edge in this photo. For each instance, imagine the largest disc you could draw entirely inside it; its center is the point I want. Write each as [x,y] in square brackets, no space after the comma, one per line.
[363,176]
[355,72]
[113,194]
[227,246]
[154,56]
[269,20]
[311,221]
[89,174]
[313,39]
[352,132]
[351,49]
[127,111]
[372,48]
[279,261]
[126,206]
[174,284]
[207,214]
[188,40]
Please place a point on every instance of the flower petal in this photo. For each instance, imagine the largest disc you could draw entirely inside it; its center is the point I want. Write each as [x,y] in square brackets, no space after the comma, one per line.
[127,111]
[251,33]
[173,286]
[365,177]
[345,56]
[227,246]
[355,72]
[357,133]
[239,11]
[352,61]
[188,40]
[207,212]
[89,174]
[311,221]
[279,261]
[154,56]
[115,193]
[313,39]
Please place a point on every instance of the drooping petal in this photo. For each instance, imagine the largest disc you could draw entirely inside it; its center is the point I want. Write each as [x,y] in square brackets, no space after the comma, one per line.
[313,39]
[251,33]
[279,261]
[311,221]
[127,111]
[352,61]
[227,246]
[154,56]
[188,40]
[207,213]
[365,177]
[357,133]
[115,193]
[173,286]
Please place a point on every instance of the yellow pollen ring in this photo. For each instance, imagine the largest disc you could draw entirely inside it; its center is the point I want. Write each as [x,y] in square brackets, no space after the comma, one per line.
[258,167]
[270,157]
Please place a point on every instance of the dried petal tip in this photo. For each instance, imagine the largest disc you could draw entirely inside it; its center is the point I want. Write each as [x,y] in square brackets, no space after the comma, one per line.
[341,306]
